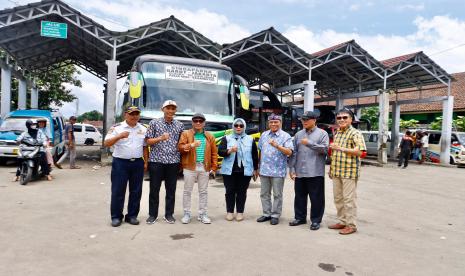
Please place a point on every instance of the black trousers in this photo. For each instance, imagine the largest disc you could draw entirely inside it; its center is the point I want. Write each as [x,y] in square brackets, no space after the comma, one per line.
[313,187]
[122,172]
[404,156]
[236,186]
[162,172]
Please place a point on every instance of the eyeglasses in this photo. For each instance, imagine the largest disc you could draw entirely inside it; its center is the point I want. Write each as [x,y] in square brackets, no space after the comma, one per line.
[198,121]
[342,118]
[238,125]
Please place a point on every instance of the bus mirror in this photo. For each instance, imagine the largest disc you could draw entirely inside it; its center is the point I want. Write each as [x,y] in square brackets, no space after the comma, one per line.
[135,84]
[244,92]
[245,97]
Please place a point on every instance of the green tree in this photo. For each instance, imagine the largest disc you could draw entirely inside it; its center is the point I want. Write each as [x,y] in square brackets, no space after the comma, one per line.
[459,123]
[93,115]
[405,124]
[372,114]
[52,87]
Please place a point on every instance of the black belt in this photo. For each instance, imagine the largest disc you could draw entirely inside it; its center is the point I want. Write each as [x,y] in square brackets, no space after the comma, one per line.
[130,159]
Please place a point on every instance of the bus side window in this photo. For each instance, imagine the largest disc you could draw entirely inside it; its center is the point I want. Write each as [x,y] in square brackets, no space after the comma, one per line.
[453,139]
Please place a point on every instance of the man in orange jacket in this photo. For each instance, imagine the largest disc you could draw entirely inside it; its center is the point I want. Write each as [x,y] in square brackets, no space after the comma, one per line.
[199,159]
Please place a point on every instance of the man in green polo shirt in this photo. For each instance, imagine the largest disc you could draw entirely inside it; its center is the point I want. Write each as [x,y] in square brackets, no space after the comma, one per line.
[199,159]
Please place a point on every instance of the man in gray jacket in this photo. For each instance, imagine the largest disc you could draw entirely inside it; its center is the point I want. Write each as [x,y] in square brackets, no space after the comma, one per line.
[307,169]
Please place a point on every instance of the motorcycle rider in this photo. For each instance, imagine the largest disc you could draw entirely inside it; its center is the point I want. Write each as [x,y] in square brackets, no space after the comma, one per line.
[34,133]
[42,125]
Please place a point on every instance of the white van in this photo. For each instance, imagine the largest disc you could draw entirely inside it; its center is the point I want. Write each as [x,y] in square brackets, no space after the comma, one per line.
[457,147]
[86,134]
[371,141]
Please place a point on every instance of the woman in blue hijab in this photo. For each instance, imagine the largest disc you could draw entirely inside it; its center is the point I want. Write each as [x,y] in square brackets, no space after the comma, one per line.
[240,163]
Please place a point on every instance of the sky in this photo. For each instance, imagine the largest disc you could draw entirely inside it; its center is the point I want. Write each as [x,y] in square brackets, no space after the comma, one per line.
[384,28]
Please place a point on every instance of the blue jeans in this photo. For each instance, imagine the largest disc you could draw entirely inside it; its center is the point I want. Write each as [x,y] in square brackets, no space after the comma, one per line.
[416,154]
[122,171]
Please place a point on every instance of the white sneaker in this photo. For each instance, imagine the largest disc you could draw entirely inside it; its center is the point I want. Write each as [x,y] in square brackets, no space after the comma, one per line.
[186,218]
[204,219]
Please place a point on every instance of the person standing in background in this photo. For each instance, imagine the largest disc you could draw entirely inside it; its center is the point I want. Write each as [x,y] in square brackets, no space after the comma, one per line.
[70,145]
[405,149]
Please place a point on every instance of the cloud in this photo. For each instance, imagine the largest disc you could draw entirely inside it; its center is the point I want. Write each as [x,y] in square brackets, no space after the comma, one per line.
[121,15]
[411,7]
[432,36]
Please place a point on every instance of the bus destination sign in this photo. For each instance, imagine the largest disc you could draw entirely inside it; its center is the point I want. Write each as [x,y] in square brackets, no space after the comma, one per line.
[190,73]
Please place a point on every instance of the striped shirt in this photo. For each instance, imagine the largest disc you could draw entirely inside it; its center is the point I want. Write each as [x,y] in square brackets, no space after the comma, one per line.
[344,165]
[200,150]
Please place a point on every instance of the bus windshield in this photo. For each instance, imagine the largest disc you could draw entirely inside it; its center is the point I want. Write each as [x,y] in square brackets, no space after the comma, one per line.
[194,89]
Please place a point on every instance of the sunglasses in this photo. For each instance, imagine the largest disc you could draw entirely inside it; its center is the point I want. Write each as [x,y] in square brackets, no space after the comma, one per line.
[342,117]
[238,125]
[198,121]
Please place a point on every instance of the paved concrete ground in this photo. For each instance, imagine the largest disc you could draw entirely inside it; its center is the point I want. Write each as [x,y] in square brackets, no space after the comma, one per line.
[411,222]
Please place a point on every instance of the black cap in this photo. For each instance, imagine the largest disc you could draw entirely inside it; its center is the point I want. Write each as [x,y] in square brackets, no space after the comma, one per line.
[309,115]
[199,116]
[131,109]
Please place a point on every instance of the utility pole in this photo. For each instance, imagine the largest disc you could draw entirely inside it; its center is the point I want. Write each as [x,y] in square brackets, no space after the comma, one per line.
[77,107]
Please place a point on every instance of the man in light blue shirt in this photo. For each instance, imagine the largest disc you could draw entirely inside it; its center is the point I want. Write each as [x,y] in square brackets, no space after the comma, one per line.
[275,147]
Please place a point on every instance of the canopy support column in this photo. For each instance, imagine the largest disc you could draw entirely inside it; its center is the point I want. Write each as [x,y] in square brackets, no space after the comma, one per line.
[395,129]
[446,132]
[34,97]
[6,91]
[22,93]
[309,95]
[383,124]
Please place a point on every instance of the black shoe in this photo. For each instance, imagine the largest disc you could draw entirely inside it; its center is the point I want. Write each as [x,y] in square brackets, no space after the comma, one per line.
[274,221]
[314,226]
[297,222]
[133,221]
[116,222]
[263,219]
[170,219]
[151,220]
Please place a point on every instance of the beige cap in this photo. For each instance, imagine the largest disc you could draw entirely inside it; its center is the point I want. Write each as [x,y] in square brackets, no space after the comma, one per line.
[169,102]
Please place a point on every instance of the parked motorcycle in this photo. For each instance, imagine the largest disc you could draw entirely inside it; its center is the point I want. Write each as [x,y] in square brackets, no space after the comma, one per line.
[29,160]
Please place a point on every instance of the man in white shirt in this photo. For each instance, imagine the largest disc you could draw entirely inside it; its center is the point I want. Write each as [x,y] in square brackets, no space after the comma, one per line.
[424,146]
[130,157]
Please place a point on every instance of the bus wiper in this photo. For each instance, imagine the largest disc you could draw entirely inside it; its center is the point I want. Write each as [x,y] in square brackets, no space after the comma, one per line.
[184,114]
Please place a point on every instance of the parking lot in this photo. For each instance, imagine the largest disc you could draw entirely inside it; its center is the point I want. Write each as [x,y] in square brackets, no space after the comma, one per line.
[411,222]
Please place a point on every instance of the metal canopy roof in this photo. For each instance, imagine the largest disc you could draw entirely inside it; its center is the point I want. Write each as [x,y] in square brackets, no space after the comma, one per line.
[414,70]
[265,57]
[346,68]
[89,44]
